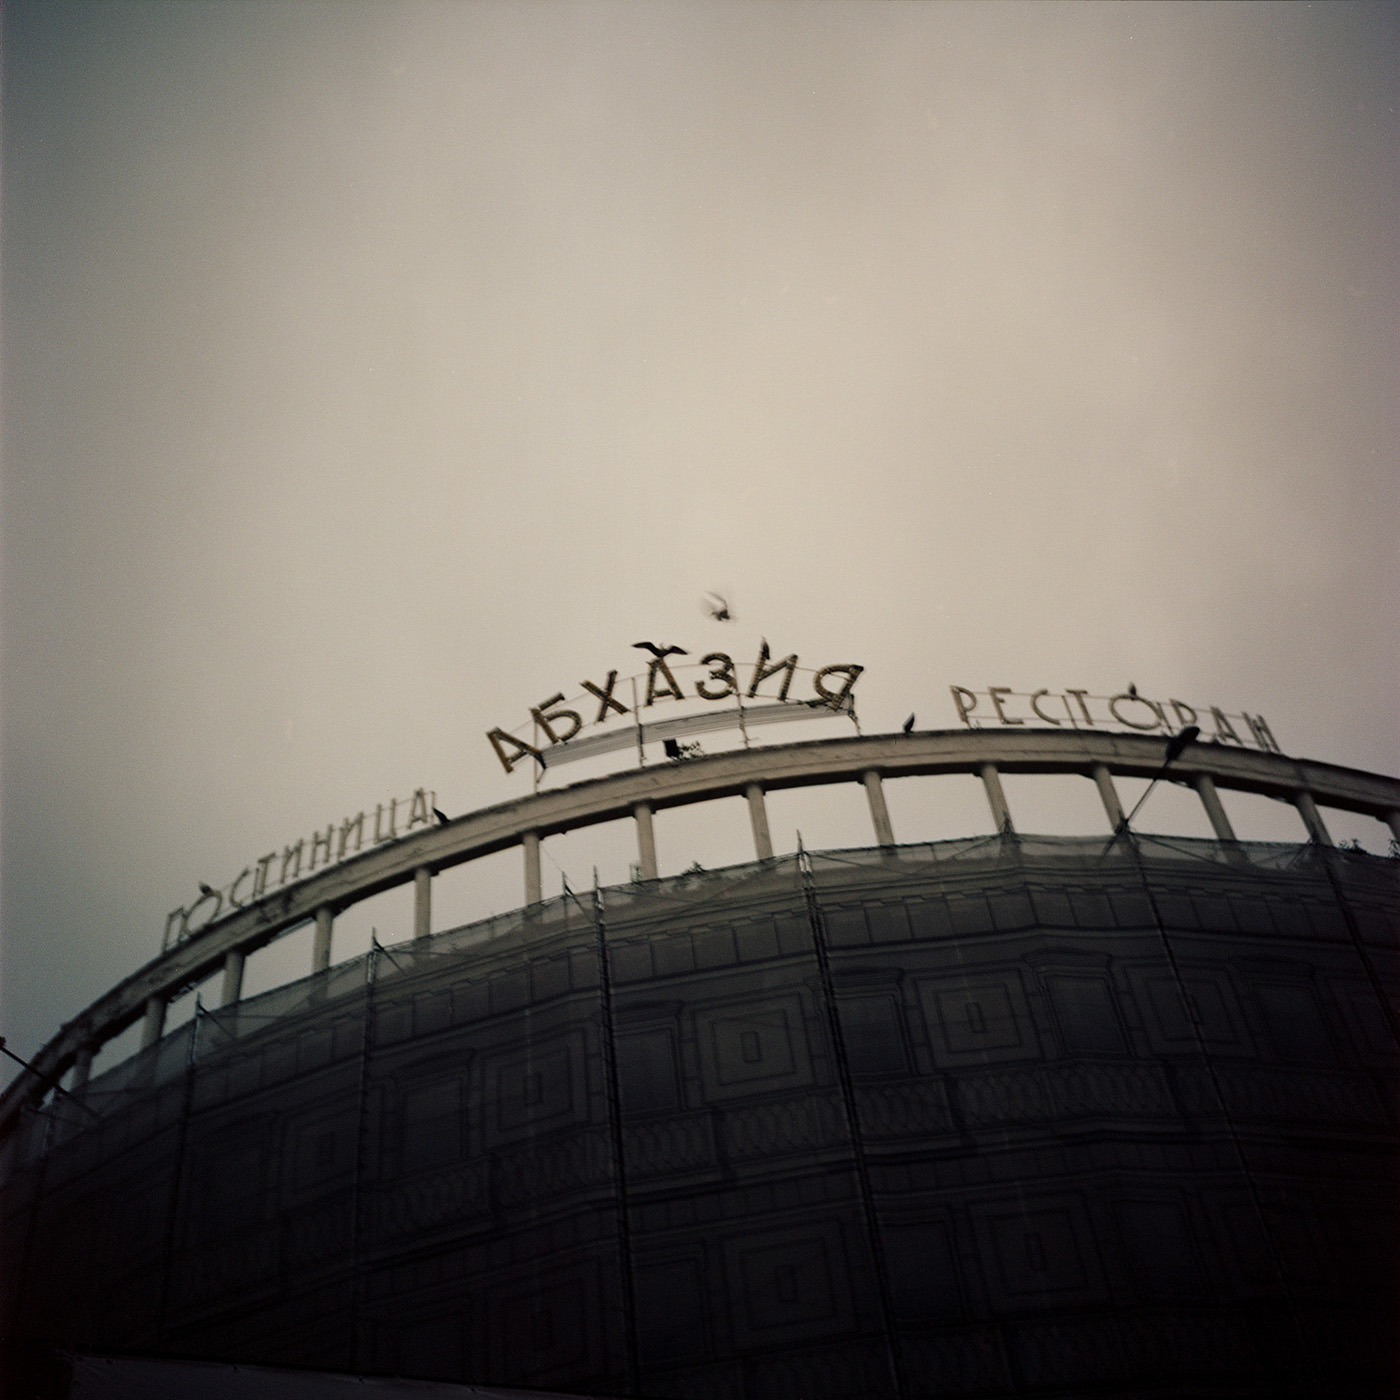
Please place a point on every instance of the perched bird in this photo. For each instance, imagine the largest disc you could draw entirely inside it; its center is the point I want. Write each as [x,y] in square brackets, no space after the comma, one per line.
[441,816]
[717,608]
[204,889]
[909,725]
[661,653]
[763,652]
[1132,691]
[673,749]
[1179,743]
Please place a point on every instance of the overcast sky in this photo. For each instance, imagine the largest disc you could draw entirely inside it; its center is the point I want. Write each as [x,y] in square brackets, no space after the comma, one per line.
[375,371]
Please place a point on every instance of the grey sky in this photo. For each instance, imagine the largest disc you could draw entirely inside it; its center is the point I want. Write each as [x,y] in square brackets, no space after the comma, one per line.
[373,371]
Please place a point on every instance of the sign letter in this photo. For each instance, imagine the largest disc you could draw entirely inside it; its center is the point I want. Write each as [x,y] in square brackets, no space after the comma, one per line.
[355,824]
[722,671]
[1223,728]
[508,761]
[291,855]
[1262,736]
[1040,714]
[544,713]
[176,917]
[218,905]
[1185,714]
[393,831]
[605,697]
[321,843]
[966,701]
[1158,719]
[996,692]
[233,888]
[418,810]
[260,875]
[659,667]
[1084,709]
[835,698]
[762,672]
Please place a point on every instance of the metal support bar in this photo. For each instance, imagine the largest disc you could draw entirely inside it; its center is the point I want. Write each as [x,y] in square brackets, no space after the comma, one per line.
[646,840]
[232,989]
[1312,819]
[82,1068]
[1108,795]
[879,813]
[758,819]
[530,848]
[1210,800]
[1001,813]
[154,1022]
[321,946]
[422,902]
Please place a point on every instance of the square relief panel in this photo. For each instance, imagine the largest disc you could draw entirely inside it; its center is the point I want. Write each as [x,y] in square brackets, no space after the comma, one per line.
[979,1019]
[753,1047]
[541,1088]
[1038,1252]
[646,1071]
[1216,1010]
[789,1285]
[547,1328]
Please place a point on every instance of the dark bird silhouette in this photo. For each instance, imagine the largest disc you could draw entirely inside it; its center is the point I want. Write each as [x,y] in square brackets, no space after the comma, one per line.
[909,725]
[1179,743]
[204,889]
[717,608]
[441,816]
[1132,691]
[673,749]
[763,652]
[661,653]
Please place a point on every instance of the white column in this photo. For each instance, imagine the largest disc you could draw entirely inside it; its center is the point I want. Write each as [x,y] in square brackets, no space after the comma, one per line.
[321,945]
[1001,813]
[422,902]
[82,1068]
[879,813]
[1210,800]
[646,840]
[232,989]
[154,1022]
[1312,819]
[1392,820]
[758,819]
[530,848]
[1108,795]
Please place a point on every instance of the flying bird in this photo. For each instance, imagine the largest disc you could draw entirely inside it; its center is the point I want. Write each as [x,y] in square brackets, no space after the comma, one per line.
[661,653]
[909,725]
[441,816]
[717,608]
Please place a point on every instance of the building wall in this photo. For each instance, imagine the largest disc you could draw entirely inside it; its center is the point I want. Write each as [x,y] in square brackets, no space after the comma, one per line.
[995,1117]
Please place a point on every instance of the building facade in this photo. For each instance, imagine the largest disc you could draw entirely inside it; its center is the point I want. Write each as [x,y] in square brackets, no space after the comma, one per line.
[1000,1116]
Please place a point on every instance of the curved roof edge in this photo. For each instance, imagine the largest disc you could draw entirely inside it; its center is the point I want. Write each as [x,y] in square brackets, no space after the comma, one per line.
[677,784]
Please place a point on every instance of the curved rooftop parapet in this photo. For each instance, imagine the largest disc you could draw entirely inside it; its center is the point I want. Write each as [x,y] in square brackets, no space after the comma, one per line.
[639,793]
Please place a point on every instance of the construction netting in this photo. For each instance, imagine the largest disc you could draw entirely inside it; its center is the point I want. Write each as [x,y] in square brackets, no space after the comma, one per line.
[991,1116]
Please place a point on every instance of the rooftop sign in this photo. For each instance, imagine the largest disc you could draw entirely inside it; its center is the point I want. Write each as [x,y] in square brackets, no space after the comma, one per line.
[1000,705]
[302,858]
[554,725]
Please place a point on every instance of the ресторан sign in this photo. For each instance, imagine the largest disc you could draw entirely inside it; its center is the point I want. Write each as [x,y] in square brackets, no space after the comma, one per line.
[1080,710]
